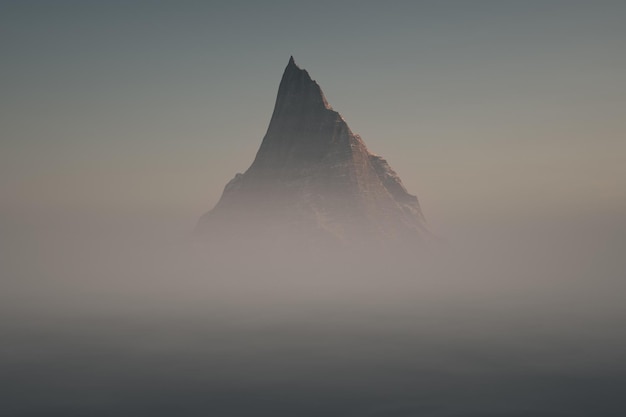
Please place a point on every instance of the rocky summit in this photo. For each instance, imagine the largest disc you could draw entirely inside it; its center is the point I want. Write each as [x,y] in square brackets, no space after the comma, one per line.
[313,180]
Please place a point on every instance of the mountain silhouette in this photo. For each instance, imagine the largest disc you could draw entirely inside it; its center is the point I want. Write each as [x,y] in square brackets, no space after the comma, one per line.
[314,180]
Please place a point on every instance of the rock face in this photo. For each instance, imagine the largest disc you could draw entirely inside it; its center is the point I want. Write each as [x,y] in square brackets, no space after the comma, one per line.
[314,180]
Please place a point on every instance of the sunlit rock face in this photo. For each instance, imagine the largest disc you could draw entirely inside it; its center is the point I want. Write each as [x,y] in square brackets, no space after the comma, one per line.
[313,180]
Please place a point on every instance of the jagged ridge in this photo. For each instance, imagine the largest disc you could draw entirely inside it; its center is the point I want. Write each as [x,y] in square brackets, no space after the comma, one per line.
[313,176]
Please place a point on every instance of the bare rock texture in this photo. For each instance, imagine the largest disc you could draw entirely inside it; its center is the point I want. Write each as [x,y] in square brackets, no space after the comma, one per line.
[314,179]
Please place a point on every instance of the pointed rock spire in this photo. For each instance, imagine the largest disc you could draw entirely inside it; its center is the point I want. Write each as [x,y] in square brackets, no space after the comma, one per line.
[297,88]
[301,124]
[314,175]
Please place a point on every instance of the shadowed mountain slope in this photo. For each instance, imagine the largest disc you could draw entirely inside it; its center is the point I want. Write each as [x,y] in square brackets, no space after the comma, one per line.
[313,179]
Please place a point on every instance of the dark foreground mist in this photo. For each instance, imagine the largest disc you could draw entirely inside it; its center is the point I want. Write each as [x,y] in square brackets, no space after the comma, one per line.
[102,322]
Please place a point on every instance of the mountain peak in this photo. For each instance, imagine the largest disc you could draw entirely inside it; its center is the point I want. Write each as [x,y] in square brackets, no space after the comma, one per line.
[297,87]
[292,67]
[314,176]
[293,135]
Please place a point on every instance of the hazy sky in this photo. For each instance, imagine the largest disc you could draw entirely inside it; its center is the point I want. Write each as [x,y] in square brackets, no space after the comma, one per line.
[484,108]
[500,115]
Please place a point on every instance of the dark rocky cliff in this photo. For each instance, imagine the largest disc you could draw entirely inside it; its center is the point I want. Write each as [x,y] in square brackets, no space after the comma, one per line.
[315,179]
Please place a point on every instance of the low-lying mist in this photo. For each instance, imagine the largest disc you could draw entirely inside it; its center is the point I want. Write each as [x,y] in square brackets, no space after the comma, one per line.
[102,319]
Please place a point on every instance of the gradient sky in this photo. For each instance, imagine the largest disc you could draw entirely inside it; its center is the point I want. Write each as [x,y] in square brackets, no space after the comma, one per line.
[485,108]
